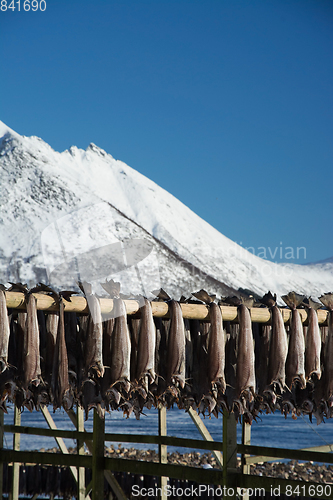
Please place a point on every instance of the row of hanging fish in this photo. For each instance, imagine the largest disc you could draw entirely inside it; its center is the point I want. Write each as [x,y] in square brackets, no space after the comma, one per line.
[129,363]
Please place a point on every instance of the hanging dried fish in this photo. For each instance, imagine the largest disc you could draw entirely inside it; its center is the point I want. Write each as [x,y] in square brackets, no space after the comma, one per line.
[327,300]
[313,342]
[295,372]
[146,348]
[31,356]
[120,346]
[262,336]
[4,332]
[216,342]
[71,336]
[200,385]
[42,338]
[108,327]
[278,348]
[245,372]
[176,346]
[94,340]
[134,327]
[216,348]
[17,358]
[188,350]
[60,380]
[120,361]
[161,355]
[232,334]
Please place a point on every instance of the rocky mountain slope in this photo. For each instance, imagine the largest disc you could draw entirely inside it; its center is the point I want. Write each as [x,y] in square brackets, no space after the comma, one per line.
[83,214]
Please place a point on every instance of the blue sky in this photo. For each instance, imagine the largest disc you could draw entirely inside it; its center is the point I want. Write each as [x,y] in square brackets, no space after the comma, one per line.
[228,105]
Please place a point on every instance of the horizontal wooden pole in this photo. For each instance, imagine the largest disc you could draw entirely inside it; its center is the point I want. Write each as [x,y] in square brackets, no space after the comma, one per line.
[165,440]
[197,474]
[16,300]
[315,456]
[115,465]
[53,433]
[118,438]
[37,457]
[318,454]
[325,448]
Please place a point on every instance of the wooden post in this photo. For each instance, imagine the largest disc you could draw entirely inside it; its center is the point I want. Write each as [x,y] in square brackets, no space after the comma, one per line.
[1,446]
[98,458]
[81,483]
[162,449]
[246,439]
[229,449]
[16,466]
[116,488]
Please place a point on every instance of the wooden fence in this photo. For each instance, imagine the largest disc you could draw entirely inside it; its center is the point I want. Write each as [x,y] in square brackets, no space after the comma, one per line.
[225,452]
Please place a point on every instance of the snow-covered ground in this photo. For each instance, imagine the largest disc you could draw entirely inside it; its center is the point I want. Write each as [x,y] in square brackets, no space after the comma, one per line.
[83,214]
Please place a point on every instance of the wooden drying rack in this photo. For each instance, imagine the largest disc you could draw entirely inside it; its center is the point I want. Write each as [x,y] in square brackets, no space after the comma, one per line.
[225,452]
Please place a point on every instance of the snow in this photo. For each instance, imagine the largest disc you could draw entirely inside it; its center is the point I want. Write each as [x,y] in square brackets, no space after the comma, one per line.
[55,206]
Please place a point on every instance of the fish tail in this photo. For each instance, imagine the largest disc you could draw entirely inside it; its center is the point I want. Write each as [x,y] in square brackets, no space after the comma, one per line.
[293,299]
[327,300]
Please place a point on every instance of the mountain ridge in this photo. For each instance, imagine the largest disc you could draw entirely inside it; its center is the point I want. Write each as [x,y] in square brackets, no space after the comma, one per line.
[40,186]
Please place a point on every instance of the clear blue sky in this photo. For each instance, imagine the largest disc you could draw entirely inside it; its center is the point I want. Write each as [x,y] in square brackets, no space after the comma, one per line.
[226,104]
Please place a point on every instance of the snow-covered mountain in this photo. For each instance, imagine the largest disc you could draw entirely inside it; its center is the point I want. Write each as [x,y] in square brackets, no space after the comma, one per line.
[83,214]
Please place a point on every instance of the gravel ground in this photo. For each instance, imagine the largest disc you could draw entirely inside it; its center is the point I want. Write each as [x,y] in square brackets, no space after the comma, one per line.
[306,471]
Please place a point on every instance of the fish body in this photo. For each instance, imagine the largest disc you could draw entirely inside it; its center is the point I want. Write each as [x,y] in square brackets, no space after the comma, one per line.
[313,346]
[71,337]
[262,335]
[295,372]
[327,300]
[4,332]
[18,358]
[329,360]
[60,379]
[245,370]
[31,356]
[216,347]
[120,346]
[161,354]
[176,346]
[41,317]
[94,340]
[108,326]
[52,322]
[134,327]
[146,346]
[188,350]
[278,350]
[200,384]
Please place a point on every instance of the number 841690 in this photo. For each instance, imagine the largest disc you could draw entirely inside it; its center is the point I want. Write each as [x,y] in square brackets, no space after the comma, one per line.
[26,5]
